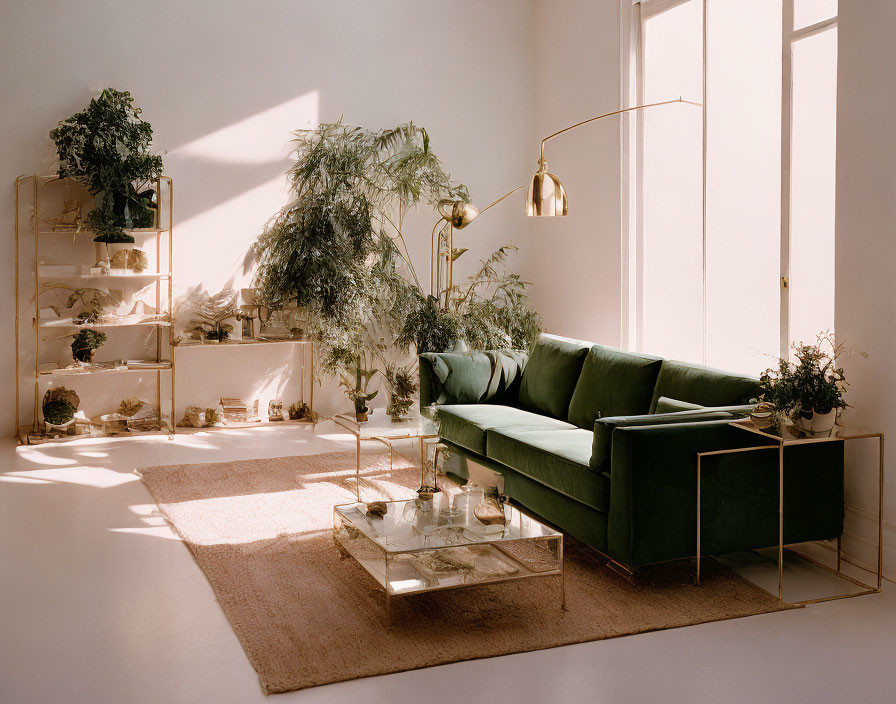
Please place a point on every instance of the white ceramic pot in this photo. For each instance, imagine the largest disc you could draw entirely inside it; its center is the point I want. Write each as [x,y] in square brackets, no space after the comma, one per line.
[823,423]
[819,423]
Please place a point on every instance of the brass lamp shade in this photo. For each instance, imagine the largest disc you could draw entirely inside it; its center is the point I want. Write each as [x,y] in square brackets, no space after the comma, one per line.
[547,197]
[458,213]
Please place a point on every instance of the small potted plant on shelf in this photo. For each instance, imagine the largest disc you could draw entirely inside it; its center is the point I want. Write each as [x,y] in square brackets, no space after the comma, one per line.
[59,407]
[401,387]
[357,389]
[106,148]
[299,411]
[86,343]
[809,392]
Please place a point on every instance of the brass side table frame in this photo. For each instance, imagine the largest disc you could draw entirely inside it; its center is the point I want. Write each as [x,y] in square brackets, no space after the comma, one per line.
[779,443]
[412,433]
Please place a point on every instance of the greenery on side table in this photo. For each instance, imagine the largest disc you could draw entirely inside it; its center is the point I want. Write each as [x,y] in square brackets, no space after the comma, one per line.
[106,148]
[339,251]
[812,385]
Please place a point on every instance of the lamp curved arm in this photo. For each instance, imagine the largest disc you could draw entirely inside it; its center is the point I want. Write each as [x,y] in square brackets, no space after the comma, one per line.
[679,99]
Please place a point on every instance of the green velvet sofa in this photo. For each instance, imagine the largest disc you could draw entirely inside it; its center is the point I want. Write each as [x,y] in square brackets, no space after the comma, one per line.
[603,444]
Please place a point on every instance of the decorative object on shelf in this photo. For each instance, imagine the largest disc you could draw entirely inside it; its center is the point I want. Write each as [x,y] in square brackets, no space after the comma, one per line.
[86,343]
[139,415]
[275,410]
[209,319]
[235,410]
[59,407]
[547,197]
[197,417]
[401,387]
[106,148]
[811,391]
[299,411]
[377,509]
[248,312]
[70,219]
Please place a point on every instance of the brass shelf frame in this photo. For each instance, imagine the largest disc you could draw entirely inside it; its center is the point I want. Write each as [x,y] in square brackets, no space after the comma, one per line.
[32,184]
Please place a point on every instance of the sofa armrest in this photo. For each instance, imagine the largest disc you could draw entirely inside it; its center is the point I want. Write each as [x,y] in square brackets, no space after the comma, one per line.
[604,427]
[470,377]
[653,485]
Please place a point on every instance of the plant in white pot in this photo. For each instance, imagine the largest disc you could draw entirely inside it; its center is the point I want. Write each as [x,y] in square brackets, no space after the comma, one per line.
[810,391]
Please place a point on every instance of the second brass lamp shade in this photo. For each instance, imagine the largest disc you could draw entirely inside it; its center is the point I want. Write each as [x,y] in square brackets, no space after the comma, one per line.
[458,213]
[547,197]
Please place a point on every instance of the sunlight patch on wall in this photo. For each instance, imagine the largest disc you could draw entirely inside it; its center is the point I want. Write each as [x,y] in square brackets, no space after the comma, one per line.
[258,139]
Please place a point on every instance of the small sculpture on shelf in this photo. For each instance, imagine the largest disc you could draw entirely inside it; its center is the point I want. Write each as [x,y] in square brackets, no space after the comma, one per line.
[86,343]
[197,417]
[139,415]
[275,410]
[70,220]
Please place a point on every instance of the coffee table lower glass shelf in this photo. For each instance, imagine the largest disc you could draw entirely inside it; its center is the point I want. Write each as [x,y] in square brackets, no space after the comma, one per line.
[424,545]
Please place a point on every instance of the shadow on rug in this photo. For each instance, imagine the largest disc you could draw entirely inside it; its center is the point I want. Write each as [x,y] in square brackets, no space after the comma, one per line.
[260,530]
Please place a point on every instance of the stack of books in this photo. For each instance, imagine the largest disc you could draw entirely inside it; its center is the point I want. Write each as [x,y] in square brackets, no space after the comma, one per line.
[235,410]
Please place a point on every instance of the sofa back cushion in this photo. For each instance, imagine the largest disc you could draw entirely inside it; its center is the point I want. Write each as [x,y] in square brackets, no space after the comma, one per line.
[670,405]
[613,382]
[551,375]
[702,385]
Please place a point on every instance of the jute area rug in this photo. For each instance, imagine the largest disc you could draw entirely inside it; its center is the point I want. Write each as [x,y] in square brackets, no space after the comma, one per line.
[260,530]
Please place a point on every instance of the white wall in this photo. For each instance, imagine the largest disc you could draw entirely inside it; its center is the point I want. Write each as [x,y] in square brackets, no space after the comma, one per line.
[866,252]
[574,262]
[224,83]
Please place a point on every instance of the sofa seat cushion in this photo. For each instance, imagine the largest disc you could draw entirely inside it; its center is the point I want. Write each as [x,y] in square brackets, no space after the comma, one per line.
[466,424]
[613,382]
[703,386]
[555,458]
[551,375]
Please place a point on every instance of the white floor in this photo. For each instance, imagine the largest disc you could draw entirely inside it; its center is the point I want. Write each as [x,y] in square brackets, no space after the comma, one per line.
[100,603]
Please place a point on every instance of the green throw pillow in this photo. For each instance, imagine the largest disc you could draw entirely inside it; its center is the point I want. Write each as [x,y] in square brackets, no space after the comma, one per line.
[613,383]
[551,374]
[670,405]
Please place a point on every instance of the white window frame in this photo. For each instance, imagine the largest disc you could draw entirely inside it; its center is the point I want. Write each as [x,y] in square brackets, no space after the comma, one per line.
[631,21]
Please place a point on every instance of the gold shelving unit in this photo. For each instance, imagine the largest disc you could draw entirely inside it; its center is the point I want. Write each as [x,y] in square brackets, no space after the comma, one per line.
[28,191]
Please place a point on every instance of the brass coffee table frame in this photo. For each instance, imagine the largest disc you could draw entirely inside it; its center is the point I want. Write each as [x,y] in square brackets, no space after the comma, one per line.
[348,423]
[778,443]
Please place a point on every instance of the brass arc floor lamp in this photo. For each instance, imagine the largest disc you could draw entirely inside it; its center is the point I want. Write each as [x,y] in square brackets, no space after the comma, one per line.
[547,197]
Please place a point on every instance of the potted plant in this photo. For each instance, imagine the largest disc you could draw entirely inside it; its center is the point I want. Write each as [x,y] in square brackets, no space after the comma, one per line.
[59,407]
[86,343]
[357,389]
[401,387]
[810,391]
[106,148]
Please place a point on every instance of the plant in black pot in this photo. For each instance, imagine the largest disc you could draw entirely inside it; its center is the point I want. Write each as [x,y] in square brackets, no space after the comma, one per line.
[86,342]
[106,148]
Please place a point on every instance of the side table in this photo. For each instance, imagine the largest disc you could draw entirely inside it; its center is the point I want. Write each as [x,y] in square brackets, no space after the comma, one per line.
[779,442]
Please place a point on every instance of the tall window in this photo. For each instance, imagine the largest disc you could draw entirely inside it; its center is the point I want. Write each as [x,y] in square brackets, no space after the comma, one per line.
[731,224]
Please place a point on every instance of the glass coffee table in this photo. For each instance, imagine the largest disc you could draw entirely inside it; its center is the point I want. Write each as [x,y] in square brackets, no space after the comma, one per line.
[382,429]
[431,544]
